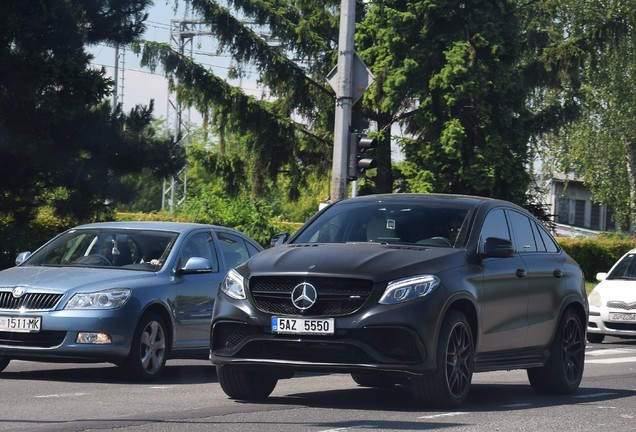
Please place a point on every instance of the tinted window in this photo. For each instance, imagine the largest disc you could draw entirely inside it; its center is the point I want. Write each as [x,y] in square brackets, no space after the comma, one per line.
[495,225]
[521,227]
[548,241]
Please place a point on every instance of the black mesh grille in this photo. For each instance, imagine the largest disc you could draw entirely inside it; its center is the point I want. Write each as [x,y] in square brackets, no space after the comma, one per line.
[336,296]
[618,304]
[43,339]
[29,301]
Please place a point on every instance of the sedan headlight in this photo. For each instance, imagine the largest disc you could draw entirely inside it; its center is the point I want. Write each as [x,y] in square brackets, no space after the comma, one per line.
[404,290]
[107,299]
[594,299]
[234,285]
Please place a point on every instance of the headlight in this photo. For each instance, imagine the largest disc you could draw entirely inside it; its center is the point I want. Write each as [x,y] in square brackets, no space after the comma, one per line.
[107,299]
[233,285]
[594,299]
[403,290]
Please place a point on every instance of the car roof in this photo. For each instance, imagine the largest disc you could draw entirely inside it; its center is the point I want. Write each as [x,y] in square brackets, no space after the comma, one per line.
[436,197]
[151,225]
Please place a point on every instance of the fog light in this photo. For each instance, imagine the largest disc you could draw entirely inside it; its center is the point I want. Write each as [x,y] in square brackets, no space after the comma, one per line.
[93,338]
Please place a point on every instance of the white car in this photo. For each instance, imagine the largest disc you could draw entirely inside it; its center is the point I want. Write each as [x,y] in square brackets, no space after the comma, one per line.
[613,301]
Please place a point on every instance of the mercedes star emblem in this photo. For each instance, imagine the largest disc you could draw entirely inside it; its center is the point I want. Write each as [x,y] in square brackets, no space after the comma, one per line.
[304,296]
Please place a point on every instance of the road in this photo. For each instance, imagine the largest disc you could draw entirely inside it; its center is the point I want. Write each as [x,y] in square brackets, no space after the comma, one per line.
[70,397]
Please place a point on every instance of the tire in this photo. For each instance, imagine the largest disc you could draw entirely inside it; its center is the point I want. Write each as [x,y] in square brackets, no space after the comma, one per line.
[372,380]
[4,362]
[563,372]
[595,337]
[242,384]
[147,358]
[448,386]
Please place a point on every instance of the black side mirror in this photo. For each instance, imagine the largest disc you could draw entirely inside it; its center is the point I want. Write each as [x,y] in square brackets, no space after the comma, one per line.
[279,239]
[497,248]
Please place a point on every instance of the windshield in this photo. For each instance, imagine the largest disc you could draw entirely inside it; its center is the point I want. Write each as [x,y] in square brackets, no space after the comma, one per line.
[131,249]
[625,269]
[411,223]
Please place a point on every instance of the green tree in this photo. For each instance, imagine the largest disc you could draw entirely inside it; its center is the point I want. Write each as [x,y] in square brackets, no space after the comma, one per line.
[61,144]
[473,83]
[601,146]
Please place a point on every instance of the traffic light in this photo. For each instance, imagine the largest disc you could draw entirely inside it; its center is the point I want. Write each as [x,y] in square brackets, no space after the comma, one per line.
[357,163]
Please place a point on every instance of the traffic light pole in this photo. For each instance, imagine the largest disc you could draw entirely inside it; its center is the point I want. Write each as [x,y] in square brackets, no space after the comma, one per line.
[344,97]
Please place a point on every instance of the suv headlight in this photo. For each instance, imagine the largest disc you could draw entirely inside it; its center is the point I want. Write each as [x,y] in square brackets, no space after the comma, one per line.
[234,285]
[107,299]
[403,290]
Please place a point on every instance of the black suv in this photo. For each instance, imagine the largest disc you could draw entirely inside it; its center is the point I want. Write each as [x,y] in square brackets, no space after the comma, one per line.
[416,290]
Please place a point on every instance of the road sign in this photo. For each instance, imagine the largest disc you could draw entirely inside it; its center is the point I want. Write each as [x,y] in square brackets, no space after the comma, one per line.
[362,78]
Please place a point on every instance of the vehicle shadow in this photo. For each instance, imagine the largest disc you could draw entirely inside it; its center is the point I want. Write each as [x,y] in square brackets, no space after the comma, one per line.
[482,398]
[193,372]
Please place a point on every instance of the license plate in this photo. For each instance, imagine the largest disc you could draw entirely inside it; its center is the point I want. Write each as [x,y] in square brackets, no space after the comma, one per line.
[308,326]
[26,324]
[619,316]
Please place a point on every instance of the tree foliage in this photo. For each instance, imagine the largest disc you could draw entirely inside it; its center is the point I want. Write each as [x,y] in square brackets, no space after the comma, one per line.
[61,143]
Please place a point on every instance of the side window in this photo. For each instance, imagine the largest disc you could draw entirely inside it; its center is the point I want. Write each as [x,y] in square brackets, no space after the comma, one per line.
[495,225]
[550,244]
[199,245]
[523,238]
[233,248]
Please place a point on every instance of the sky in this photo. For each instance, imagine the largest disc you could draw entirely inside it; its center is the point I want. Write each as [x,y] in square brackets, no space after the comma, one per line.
[137,85]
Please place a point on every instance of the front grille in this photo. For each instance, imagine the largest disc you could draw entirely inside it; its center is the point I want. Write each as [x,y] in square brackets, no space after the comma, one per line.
[336,296]
[618,304]
[43,339]
[29,301]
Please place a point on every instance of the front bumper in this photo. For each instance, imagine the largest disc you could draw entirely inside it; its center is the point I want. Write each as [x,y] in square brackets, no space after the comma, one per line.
[56,341]
[600,323]
[388,338]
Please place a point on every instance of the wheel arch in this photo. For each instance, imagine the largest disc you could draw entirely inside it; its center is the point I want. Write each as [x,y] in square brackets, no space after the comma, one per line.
[161,310]
[468,308]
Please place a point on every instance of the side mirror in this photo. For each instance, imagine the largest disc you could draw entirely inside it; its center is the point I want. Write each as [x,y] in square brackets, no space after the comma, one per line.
[196,265]
[497,248]
[22,257]
[601,276]
[279,239]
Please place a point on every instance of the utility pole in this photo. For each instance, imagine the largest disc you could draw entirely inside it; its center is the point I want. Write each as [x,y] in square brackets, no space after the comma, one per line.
[344,97]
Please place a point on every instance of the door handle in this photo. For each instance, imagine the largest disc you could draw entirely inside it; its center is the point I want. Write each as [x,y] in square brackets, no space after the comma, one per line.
[521,273]
[557,273]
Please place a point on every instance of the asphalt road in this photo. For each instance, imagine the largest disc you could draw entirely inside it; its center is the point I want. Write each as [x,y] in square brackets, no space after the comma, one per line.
[70,397]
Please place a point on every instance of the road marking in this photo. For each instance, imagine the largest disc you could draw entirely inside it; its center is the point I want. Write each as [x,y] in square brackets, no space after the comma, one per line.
[60,395]
[595,395]
[450,414]
[612,360]
[612,351]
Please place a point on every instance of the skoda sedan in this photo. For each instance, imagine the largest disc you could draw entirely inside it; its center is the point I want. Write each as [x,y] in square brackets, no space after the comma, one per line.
[413,290]
[133,294]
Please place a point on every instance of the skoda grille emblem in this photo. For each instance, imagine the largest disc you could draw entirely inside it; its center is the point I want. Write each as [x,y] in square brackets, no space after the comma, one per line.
[18,291]
[304,296]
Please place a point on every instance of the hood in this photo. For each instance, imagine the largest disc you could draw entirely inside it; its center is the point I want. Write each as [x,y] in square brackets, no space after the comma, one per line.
[378,262]
[63,279]
[617,289]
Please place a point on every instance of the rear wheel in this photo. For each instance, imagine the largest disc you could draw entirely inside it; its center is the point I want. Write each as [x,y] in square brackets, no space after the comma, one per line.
[448,386]
[239,383]
[372,380]
[595,337]
[563,372]
[4,362]
[147,358]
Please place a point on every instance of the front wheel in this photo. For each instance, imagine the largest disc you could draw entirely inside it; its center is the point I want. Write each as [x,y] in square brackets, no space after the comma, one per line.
[147,358]
[563,372]
[243,384]
[448,386]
